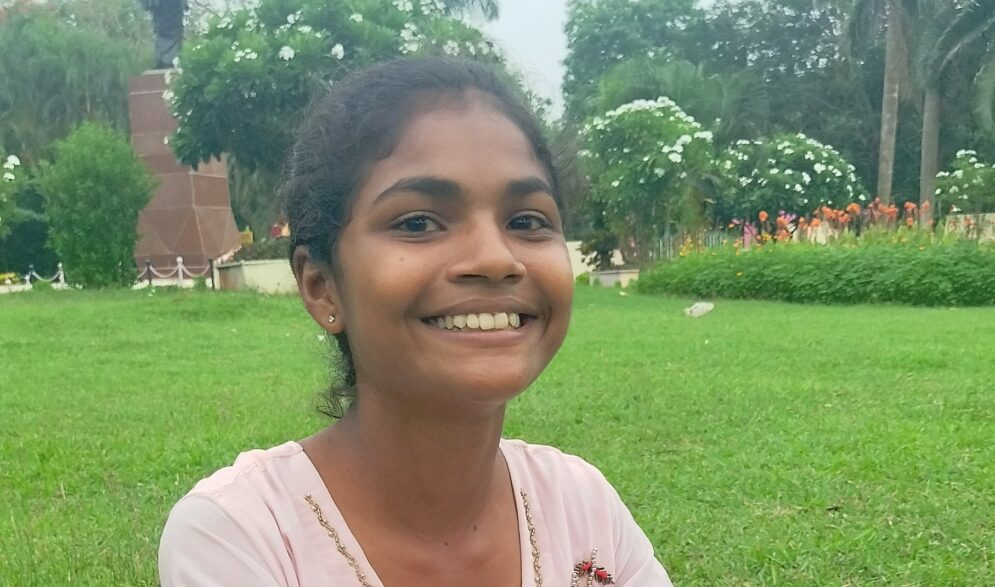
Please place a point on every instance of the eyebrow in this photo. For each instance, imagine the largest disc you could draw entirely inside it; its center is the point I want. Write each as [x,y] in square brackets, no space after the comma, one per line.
[444,189]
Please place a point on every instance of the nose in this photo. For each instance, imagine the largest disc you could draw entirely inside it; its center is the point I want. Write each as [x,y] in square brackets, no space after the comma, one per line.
[485,252]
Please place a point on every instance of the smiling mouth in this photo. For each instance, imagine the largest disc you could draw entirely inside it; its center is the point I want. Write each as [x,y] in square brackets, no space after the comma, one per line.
[480,322]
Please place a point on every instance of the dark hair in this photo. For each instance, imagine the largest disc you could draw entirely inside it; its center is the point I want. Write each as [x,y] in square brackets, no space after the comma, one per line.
[358,122]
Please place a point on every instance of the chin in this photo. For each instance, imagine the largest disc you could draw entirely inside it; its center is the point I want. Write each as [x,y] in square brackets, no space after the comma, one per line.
[490,388]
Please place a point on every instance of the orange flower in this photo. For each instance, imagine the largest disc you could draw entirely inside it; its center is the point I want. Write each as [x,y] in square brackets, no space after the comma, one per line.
[816,223]
[764,216]
[853,208]
[844,218]
[925,205]
[910,206]
[910,221]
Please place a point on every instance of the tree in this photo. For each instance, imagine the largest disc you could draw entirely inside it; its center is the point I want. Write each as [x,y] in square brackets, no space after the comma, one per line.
[93,193]
[953,28]
[866,18]
[245,81]
[603,33]
[649,164]
[733,105]
[58,73]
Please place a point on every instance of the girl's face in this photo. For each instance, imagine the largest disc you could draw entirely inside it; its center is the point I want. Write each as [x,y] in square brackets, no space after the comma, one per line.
[457,227]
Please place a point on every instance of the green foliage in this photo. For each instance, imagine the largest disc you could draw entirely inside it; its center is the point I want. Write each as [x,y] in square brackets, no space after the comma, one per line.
[914,271]
[788,172]
[27,242]
[603,33]
[245,80]
[265,249]
[732,105]
[969,188]
[93,193]
[648,161]
[59,69]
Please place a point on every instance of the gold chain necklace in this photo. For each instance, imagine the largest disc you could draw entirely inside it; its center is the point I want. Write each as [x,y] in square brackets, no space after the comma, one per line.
[536,564]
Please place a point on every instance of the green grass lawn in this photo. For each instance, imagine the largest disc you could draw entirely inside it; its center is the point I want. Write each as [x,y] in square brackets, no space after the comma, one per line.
[764,444]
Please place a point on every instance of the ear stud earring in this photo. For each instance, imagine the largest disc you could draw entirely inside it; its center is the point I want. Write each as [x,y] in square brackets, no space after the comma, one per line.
[331,319]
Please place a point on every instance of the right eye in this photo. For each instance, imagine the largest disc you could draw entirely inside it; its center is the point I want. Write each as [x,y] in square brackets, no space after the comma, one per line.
[417,224]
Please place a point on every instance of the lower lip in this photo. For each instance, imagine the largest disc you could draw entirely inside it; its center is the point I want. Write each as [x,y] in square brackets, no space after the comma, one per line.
[475,336]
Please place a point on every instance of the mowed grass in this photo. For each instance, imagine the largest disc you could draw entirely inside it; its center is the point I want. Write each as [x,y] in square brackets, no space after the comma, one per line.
[764,444]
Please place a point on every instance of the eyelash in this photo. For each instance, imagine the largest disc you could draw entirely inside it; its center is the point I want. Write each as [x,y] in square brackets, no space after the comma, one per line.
[403,224]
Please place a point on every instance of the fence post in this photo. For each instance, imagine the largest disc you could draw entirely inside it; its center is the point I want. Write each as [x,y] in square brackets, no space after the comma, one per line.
[210,264]
[60,277]
[31,273]
[179,270]
[148,271]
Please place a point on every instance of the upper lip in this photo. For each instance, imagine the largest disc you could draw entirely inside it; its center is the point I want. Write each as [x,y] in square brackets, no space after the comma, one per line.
[487,306]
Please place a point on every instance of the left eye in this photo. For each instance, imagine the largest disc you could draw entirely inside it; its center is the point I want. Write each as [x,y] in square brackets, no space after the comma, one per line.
[528,222]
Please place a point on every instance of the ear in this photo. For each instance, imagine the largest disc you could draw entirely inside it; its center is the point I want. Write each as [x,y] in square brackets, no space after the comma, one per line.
[317,287]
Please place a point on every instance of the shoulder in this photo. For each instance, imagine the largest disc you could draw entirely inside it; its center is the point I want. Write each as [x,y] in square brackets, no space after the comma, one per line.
[241,514]
[550,464]
[566,479]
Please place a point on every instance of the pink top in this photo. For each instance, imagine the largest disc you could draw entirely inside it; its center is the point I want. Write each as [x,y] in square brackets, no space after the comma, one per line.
[249,525]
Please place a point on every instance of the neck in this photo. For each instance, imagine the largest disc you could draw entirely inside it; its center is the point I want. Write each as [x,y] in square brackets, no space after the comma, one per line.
[430,471]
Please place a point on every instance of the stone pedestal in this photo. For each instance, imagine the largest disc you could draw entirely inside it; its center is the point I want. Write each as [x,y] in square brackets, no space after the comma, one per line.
[190,213]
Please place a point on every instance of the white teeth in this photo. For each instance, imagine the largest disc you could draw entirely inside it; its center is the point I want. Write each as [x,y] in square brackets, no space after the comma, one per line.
[481,321]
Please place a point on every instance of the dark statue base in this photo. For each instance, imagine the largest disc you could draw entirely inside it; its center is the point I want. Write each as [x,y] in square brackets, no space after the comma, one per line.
[190,213]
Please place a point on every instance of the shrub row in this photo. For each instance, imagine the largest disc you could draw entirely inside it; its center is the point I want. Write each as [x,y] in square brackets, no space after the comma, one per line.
[957,273]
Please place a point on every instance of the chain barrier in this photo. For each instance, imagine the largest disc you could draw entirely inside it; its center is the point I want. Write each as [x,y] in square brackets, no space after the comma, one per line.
[177,273]
[58,278]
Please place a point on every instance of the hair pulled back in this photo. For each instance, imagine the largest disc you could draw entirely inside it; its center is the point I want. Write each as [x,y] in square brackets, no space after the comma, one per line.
[358,122]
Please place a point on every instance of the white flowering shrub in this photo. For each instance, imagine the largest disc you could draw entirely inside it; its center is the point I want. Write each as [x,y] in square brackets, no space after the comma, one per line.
[10,177]
[968,188]
[646,161]
[242,81]
[789,172]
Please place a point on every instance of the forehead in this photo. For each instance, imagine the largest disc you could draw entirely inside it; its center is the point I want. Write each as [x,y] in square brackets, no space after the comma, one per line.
[463,139]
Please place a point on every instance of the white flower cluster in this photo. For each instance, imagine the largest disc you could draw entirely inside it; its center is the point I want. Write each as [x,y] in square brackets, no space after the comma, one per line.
[821,167]
[970,184]
[430,7]
[357,17]
[622,144]
[661,107]
[240,54]
[404,5]
[286,53]
[9,166]
[411,39]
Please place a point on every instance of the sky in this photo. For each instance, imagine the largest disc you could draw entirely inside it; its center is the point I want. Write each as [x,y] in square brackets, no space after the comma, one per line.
[531,34]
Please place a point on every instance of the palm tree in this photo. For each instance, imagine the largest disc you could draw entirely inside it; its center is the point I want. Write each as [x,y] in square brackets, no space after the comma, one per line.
[867,17]
[954,27]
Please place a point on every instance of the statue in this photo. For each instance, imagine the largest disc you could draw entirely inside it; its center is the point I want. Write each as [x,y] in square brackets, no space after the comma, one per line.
[167,24]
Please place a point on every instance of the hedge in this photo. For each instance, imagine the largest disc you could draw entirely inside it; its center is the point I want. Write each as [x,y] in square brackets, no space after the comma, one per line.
[951,273]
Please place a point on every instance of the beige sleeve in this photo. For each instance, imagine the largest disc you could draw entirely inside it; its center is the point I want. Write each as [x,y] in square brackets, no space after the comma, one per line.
[203,546]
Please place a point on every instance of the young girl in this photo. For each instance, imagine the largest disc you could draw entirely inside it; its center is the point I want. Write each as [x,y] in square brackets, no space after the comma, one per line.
[426,238]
